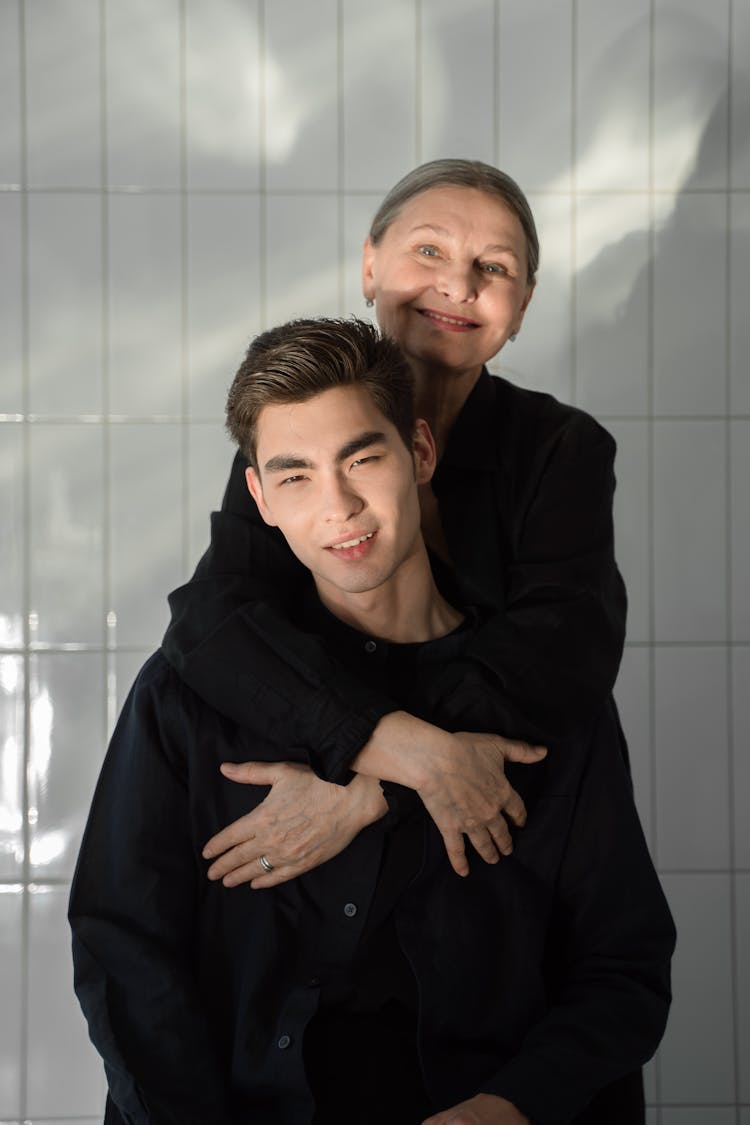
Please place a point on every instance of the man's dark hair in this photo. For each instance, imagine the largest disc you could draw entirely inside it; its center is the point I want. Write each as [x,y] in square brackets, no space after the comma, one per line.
[301,359]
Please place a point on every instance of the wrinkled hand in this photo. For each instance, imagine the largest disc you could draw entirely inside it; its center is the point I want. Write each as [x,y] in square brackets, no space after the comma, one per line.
[302,823]
[484,1109]
[466,792]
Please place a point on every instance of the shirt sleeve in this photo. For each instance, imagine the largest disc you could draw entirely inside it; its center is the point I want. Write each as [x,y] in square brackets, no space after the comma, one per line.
[231,638]
[554,648]
[611,940]
[132,912]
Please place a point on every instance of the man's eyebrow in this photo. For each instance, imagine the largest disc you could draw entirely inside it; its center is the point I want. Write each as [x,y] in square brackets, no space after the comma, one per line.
[284,462]
[357,444]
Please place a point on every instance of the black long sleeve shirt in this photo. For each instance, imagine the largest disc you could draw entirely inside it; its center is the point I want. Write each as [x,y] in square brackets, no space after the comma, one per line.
[525,491]
[542,979]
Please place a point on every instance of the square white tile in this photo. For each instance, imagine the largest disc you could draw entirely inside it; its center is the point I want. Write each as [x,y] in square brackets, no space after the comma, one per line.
[542,355]
[10,94]
[67,743]
[222,94]
[146,266]
[739,287]
[690,537]
[741,773]
[144,119]
[457,80]
[65,1074]
[691,52]
[11,945]
[146,513]
[697,1054]
[11,297]
[740,529]
[632,521]
[63,93]
[12,546]
[692,759]
[612,95]
[742,906]
[690,294]
[612,302]
[301,96]
[65,302]
[698,1115]
[13,726]
[224,267]
[66,521]
[536,126]
[740,94]
[304,271]
[380,122]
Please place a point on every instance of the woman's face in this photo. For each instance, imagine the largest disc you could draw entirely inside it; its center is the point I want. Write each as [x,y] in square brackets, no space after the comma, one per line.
[449,278]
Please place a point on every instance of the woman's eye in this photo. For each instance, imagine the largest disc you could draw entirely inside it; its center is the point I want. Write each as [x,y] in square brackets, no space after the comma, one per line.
[429,251]
[493,267]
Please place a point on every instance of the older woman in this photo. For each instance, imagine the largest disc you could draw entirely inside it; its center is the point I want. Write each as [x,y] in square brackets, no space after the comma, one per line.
[521,509]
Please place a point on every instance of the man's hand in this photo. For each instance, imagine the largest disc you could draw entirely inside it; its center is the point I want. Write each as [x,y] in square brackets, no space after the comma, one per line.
[302,823]
[484,1109]
[459,777]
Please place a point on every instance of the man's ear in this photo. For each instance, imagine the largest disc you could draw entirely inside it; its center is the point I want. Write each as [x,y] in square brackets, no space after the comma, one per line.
[424,452]
[368,283]
[255,489]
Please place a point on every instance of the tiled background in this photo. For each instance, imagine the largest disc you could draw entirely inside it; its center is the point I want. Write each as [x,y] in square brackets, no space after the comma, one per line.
[176,174]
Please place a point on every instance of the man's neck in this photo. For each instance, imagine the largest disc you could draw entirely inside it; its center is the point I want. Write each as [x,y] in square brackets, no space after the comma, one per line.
[407,609]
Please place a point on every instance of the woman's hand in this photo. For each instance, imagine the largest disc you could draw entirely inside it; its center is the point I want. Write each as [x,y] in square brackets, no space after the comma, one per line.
[459,777]
[302,823]
[484,1109]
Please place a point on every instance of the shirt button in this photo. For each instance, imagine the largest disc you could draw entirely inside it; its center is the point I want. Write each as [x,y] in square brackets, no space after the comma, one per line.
[370,646]
[284,1042]
[350,910]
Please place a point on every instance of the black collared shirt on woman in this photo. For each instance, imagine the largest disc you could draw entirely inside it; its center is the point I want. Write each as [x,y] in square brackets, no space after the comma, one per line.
[525,491]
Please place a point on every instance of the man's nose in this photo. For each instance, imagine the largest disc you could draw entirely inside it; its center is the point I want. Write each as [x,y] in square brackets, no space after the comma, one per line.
[341,500]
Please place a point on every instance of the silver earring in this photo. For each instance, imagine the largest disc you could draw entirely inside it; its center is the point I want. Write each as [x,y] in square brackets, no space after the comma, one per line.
[513,337]
[369,302]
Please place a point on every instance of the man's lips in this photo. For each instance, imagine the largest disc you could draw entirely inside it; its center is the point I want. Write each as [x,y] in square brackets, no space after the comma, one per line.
[351,543]
[446,320]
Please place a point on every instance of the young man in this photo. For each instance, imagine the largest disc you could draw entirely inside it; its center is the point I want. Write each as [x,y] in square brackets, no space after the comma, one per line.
[379,986]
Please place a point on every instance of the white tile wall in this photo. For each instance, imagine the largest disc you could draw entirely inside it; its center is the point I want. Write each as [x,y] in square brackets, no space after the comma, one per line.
[176,176]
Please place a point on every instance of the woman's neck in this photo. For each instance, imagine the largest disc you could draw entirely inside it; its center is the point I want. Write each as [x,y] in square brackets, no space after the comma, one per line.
[441,395]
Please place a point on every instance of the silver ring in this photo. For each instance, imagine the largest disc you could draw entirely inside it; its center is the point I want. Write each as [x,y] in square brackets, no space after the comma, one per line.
[265,863]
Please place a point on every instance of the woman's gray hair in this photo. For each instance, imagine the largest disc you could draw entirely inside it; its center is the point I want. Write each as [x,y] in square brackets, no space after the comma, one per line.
[460,173]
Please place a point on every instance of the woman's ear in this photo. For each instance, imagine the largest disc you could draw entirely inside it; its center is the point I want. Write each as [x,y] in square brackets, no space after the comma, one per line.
[424,452]
[255,488]
[368,282]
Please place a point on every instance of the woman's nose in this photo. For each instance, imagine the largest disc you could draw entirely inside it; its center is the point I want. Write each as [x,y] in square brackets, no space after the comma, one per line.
[458,281]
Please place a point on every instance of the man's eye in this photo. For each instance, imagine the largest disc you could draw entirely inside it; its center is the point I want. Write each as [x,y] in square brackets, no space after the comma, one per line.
[364,460]
[292,480]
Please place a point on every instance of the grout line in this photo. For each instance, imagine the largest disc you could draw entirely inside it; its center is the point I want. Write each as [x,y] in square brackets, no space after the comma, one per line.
[729,575]
[171,419]
[23,1069]
[574,203]
[496,83]
[185,445]
[263,179]
[341,160]
[418,84]
[144,189]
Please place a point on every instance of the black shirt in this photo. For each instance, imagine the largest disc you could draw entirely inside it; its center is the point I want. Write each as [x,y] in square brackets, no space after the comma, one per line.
[542,979]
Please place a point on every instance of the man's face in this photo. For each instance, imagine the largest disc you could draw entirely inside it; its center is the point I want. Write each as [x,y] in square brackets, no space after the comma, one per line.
[336,478]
